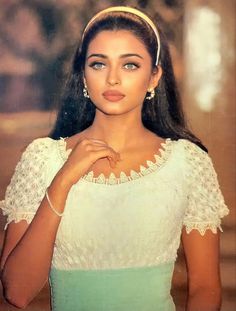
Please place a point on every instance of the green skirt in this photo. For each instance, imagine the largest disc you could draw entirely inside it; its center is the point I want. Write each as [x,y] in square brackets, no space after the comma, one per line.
[127,289]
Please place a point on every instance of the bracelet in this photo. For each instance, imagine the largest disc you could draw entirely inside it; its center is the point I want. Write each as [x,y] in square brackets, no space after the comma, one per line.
[51,206]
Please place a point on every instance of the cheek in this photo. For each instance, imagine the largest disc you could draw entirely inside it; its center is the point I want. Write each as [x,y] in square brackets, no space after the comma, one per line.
[94,81]
[96,85]
[137,83]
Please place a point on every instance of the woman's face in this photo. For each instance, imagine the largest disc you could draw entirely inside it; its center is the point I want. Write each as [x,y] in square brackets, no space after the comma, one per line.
[118,72]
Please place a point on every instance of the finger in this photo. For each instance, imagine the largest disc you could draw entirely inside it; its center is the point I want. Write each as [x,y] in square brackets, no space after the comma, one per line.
[101,146]
[87,140]
[111,162]
[102,142]
[98,141]
[104,152]
[118,157]
[116,154]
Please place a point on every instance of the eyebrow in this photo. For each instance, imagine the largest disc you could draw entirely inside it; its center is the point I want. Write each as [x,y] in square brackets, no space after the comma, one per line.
[121,56]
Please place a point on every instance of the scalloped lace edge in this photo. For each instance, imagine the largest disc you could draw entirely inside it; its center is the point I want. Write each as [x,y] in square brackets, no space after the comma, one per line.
[203,227]
[160,159]
[16,217]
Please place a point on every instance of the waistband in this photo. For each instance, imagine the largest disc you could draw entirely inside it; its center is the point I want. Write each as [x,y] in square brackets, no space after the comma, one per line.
[125,289]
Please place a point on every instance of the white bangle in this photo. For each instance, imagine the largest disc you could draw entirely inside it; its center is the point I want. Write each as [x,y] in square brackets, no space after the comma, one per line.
[51,206]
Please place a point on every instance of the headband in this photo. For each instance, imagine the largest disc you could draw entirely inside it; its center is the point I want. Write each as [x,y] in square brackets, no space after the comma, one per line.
[132,11]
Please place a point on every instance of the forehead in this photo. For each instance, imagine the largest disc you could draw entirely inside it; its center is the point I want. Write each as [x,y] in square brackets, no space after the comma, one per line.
[114,41]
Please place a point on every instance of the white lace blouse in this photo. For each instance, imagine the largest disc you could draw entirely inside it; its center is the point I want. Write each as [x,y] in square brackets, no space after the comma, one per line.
[130,221]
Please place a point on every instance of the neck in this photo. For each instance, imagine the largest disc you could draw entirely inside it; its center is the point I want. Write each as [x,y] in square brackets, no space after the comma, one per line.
[119,132]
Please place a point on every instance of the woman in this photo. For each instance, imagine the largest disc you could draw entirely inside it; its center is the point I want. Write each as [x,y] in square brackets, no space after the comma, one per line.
[101,211]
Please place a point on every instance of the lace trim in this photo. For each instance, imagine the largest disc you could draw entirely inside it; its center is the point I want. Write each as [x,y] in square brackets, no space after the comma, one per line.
[202,227]
[64,153]
[2,204]
[161,158]
[15,216]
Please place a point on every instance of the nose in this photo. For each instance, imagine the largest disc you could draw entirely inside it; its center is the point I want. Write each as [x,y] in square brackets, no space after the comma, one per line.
[113,77]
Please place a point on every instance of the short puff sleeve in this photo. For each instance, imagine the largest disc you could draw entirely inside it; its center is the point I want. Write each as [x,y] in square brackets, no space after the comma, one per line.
[27,186]
[206,204]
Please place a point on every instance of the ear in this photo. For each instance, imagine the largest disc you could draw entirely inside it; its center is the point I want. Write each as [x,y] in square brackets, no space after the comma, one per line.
[155,77]
[84,81]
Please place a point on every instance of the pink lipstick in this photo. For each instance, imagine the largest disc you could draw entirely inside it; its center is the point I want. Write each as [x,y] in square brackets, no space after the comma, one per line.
[113,96]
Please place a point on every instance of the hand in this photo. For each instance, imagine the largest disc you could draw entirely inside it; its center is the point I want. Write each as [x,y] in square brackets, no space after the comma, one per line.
[84,154]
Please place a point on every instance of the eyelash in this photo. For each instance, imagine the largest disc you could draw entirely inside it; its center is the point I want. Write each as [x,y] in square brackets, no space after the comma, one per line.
[94,64]
[133,64]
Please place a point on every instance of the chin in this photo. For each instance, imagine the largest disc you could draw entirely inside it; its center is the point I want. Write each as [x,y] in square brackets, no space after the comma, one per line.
[115,108]
[111,109]
[112,112]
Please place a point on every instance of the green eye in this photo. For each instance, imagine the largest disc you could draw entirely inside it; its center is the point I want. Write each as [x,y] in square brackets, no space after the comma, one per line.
[131,66]
[97,65]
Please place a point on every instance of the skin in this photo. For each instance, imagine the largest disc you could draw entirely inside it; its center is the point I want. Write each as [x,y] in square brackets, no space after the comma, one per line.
[116,141]
[202,257]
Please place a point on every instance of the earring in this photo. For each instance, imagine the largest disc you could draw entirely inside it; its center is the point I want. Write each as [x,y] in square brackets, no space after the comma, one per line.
[152,94]
[85,91]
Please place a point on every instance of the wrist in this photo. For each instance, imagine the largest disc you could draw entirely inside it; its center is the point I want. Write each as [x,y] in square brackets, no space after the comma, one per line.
[60,214]
[61,182]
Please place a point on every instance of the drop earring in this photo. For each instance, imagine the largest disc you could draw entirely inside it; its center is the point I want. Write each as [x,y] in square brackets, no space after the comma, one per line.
[152,94]
[85,91]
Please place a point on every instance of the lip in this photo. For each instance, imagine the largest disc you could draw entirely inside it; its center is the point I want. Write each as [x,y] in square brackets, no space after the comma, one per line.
[113,95]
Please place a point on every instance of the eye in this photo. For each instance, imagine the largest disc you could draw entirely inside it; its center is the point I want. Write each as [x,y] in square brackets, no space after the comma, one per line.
[97,65]
[131,66]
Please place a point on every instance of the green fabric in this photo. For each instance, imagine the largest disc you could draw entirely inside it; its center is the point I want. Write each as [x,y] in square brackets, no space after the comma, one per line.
[128,289]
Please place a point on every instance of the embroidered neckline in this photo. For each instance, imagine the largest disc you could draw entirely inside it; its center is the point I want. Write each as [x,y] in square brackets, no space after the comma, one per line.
[161,157]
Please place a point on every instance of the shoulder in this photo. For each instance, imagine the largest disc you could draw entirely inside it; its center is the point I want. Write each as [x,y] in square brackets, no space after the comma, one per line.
[190,148]
[36,153]
[191,152]
[43,143]
[195,160]
[40,146]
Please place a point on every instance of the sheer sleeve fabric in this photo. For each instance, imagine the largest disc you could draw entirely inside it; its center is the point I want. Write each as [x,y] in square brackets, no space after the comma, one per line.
[27,186]
[206,204]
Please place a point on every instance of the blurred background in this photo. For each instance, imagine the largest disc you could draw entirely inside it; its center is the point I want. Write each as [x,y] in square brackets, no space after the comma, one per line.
[37,41]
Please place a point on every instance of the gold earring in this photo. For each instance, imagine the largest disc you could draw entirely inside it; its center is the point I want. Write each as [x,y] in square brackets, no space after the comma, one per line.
[152,94]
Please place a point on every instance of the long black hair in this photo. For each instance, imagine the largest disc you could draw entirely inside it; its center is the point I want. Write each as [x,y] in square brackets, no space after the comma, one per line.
[162,115]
